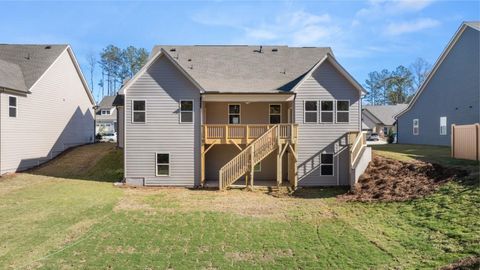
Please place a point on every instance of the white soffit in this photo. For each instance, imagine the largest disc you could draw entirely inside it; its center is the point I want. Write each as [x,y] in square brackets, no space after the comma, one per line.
[247,98]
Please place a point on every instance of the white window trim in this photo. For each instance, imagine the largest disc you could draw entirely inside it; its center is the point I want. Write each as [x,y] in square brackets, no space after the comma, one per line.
[333,111]
[16,106]
[347,111]
[105,110]
[239,114]
[281,111]
[333,163]
[305,112]
[133,122]
[180,111]
[156,164]
[259,167]
[417,126]
[446,125]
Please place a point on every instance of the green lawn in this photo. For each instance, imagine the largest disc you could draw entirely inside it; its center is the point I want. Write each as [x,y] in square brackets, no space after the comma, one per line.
[54,222]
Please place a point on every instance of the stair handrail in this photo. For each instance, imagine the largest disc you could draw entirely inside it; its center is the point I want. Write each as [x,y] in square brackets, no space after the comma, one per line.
[357,146]
[226,178]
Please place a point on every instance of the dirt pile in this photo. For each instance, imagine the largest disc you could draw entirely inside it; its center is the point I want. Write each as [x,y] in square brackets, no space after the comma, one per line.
[393,180]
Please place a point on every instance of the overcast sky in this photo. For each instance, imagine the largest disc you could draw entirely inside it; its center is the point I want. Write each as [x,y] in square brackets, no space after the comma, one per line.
[364,36]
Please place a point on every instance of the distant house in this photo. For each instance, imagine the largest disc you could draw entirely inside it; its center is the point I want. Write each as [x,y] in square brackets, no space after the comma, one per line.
[449,95]
[106,116]
[222,115]
[119,103]
[45,105]
[380,119]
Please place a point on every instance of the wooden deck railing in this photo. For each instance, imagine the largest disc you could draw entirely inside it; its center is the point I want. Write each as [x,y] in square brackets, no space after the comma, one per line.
[244,134]
[248,157]
[358,141]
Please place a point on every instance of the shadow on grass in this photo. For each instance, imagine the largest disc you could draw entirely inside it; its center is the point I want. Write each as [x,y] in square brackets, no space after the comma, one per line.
[101,162]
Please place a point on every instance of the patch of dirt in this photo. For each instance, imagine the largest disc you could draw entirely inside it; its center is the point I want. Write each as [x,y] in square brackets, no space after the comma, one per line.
[464,264]
[263,257]
[392,180]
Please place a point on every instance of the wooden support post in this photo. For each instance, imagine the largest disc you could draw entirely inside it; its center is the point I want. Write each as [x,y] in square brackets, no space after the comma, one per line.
[226,134]
[252,166]
[294,166]
[202,174]
[279,163]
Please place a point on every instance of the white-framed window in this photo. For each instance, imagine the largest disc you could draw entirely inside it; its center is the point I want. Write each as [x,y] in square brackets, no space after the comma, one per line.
[310,110]
[234,113]
[443,125]
[12,106]
[162,166]
[326,111]
[105,112]
[326,164]
[416,127]
[186,111]
[139,112]
[275,113]
[258,167]
[343,111]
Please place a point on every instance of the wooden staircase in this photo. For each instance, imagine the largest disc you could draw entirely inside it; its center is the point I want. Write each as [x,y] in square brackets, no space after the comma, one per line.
[244,162]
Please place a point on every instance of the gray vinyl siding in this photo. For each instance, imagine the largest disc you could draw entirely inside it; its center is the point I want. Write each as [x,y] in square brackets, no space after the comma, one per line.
[162,86]
[453,91]
[56,115]
[326,83]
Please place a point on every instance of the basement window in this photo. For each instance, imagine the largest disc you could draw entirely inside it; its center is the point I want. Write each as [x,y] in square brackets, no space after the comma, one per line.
[443,125]
[186,111]
[275,114]
[139,111]
[310,111]
[326,164]
[343,107]
[12,106]
[416,127]
[326,115]
[162,164]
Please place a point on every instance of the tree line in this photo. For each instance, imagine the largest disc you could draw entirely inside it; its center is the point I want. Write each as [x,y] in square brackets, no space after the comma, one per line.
[116,66]
[397,86]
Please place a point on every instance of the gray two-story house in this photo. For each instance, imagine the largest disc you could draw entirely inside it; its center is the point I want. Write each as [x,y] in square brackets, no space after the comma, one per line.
[222,115]
[449,95]
[45,105]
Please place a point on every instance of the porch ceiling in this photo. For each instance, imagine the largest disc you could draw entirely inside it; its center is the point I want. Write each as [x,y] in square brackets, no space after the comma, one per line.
[248,97]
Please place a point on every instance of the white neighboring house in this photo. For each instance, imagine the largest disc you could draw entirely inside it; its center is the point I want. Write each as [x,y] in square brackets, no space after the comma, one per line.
[106,117]
[380,118]
[45,105]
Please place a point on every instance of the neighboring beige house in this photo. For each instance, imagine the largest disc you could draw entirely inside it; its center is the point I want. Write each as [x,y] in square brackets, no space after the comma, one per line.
[45,105]
[106,116]
[380,118]
[220,115]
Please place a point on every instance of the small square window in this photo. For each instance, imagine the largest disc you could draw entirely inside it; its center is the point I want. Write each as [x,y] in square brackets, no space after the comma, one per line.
[162,164]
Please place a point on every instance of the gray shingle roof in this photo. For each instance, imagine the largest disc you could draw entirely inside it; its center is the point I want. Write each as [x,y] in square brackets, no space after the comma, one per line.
[475,25]
[244,68]
[107,102]
[386,113]
[22,65]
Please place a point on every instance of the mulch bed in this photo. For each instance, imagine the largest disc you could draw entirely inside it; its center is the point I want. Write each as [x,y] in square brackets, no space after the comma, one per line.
[393,180]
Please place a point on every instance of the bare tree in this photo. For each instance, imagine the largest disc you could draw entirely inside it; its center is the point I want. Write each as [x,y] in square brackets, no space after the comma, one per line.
[420,69]
[92,62]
